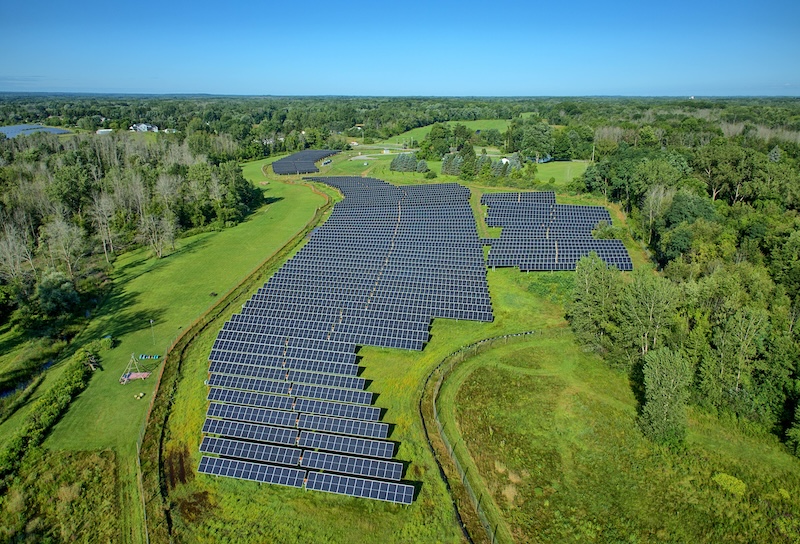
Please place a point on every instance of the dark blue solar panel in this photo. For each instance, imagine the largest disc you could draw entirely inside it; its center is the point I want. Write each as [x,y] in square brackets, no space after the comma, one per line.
[360,487]
[256,472]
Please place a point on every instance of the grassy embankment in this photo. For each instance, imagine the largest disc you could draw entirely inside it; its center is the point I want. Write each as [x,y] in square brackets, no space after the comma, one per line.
[173,292]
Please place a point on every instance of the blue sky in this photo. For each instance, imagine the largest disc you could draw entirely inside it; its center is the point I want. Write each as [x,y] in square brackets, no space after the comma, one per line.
[500,48]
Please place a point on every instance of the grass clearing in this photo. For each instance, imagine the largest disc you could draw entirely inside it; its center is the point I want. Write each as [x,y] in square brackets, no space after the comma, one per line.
[419,133]
[551,430]
[560,173]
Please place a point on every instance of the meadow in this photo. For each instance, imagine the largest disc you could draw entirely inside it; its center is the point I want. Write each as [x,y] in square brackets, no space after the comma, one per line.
[419,133]
[549,432]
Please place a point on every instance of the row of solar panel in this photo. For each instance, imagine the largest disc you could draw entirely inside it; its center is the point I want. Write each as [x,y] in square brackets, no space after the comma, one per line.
[371,283]
[289,388]
[286,341]
[544,196]
[321,317]
[357,332]
[376,336]
[292,376]
[306,439]
[269,308]
[331,483]
[338,327]
[313,422]
[283,455]
[278,402]
[344,300]
[377,290]
[348,369]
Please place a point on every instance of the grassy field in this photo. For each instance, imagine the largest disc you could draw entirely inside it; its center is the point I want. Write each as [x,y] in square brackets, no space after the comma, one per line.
[420,133]
[551,430]
[560,173]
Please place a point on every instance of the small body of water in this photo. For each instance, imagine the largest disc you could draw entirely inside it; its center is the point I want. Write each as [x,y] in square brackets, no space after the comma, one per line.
[13,131]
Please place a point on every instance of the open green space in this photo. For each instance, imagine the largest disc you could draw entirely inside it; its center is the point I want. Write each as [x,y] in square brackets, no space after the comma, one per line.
[560,173]
[419,133]
[551,430]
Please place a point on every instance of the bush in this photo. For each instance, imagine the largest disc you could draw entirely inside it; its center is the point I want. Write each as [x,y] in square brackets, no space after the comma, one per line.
[46,411]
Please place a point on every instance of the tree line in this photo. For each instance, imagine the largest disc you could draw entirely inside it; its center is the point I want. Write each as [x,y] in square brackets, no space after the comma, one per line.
[718,326]
[67,202]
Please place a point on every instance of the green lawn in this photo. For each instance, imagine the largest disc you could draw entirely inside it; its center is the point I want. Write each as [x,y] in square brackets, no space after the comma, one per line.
[551,430]
[560,172]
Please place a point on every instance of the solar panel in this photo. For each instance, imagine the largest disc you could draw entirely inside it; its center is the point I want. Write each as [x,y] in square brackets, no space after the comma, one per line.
[249,431]
[326,408]
[346,464]
[252,399]
[256,472]
[346,444]
[343,426]
[251,451]
[360,487]
[252,415]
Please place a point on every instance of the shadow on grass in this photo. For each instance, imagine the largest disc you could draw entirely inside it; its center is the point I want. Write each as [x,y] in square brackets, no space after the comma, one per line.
[121,320]
[14,339]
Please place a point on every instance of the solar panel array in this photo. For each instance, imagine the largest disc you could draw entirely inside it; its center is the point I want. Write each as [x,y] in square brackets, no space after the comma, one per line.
[284,384]
[539,234]
[301,162]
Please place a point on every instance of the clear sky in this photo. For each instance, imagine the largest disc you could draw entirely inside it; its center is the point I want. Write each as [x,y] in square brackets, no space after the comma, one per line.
[499,48]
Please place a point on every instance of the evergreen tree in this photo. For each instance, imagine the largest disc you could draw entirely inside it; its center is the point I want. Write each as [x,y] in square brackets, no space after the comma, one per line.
[469,160]
[593,308]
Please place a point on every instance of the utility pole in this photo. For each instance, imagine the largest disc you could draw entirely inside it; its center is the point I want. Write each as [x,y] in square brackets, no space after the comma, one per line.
[152,332]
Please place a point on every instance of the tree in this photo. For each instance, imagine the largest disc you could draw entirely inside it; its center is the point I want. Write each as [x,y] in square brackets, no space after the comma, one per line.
[656,201]
[729,366]
[65,243]
[101,212]
[467,155]
[56,294]
[157,233]
[667,376]
[647,306]
[13,253]
[593,307]
[404,162]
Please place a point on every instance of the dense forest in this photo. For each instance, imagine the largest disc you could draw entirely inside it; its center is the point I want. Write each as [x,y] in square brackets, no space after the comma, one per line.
[712,189]
[718,210]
